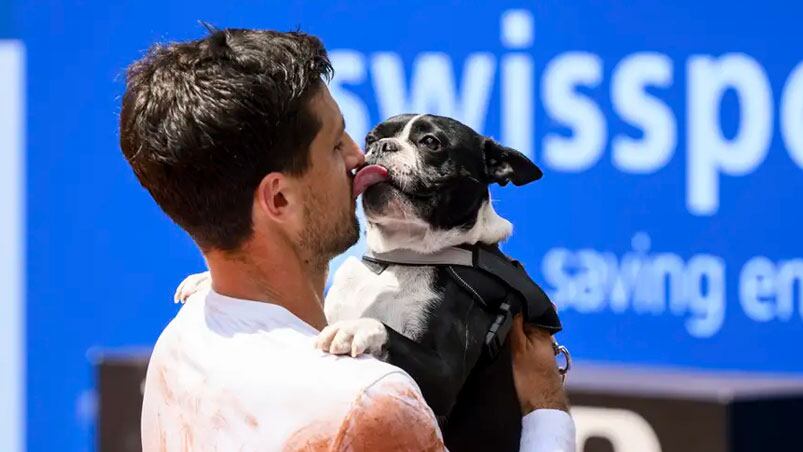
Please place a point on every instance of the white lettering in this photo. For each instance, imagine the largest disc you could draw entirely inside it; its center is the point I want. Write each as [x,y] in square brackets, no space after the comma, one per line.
[433,86]
[579,113]
[757,289]
[670,282]
[790,276]
[518,127]
[707,306]
[632,102]
[648,284]
[792,115]
[709,153]
[767,290]
[553,264]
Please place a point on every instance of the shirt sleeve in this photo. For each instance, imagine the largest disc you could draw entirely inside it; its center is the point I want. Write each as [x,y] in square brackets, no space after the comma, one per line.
[547,431]
[390,415]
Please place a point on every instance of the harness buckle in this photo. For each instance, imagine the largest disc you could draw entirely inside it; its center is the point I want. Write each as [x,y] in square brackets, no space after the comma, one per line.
[499,330]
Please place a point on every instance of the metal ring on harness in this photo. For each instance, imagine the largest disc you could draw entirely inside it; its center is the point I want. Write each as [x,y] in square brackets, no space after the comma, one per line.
[562,350]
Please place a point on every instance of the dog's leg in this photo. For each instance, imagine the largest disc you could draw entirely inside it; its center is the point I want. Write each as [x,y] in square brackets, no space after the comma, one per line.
[439,377]
[440,367]
[354,337]
[190,285]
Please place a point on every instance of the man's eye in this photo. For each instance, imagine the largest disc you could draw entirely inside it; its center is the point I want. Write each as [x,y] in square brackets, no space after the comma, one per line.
[431,142]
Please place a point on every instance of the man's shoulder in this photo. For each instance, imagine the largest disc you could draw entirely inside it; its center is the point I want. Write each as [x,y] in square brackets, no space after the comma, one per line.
[277,379]
[356,375]
[269,361]
[388,413]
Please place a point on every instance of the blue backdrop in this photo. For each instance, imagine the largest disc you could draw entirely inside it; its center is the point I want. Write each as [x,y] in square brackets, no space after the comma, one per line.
[667,226]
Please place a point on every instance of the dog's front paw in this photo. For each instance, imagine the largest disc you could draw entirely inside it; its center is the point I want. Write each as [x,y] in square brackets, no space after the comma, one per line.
[353,337]
[190,285]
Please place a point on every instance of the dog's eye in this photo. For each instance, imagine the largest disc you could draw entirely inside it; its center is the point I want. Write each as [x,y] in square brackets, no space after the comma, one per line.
[431,142]
[369,140]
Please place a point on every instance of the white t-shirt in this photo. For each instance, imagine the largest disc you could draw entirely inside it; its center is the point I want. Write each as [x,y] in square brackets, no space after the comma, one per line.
[237,375]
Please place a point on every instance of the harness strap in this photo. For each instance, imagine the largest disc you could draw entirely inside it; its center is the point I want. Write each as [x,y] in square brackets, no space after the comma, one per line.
[447,256]
[499,330]
[487,260]
[513,274]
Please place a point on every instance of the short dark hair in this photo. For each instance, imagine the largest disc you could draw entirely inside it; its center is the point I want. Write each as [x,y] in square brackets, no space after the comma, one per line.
[204,121]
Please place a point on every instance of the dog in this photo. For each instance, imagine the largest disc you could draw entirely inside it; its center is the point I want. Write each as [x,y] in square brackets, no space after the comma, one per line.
[425,190]
[434,295]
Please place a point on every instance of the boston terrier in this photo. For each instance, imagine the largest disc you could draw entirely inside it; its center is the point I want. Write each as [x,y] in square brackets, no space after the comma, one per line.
[434,295]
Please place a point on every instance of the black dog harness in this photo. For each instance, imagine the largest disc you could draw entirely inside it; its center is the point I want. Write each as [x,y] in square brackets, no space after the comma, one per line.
[497,283]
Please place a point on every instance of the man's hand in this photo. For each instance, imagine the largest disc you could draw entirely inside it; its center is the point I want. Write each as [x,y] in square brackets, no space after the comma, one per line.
[535,372]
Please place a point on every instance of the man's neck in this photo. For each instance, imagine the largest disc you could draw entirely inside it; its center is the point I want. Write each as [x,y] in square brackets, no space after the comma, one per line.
[277,275]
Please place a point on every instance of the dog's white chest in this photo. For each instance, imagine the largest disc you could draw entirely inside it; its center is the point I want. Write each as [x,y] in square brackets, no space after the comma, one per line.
[399,296]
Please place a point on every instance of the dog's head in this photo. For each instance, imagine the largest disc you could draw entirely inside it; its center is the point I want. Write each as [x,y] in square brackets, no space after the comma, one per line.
[426,181]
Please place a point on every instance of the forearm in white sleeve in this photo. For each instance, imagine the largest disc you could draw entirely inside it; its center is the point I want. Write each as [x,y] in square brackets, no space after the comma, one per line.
[547,430]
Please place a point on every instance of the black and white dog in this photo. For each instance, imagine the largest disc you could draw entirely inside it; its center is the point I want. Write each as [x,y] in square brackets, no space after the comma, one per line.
[434,295]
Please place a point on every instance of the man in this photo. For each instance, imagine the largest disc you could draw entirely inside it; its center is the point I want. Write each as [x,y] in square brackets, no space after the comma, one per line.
[238,140]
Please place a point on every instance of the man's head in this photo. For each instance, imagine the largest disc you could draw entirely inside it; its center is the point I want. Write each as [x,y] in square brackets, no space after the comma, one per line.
[236,134]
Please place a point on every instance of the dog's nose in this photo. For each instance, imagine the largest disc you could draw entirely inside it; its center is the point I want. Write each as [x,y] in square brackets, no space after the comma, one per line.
[387,145]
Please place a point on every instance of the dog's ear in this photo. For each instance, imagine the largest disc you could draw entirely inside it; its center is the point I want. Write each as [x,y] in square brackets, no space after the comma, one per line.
[504,164]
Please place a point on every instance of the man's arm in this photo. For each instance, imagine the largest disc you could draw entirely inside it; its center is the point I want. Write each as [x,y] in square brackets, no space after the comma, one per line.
[547,426]
[391,415]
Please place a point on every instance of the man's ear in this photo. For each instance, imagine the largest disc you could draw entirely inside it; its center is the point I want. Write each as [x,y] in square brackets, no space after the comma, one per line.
[274,196]
[504,164]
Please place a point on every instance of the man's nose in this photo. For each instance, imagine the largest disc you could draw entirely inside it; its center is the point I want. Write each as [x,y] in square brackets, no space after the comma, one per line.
[354,156]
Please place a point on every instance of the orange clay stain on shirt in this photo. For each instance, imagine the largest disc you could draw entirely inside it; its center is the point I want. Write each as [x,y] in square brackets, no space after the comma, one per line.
[188,442]
[162,440]
[164,387]
[395,419]
[317,436]
[251,421]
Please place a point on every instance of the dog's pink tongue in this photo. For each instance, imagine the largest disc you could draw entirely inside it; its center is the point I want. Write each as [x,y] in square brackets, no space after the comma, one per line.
[367,176]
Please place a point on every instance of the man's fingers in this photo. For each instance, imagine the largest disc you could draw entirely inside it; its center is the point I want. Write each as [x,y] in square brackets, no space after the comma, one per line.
[524,336]
[517,336]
